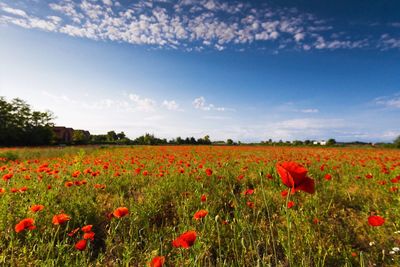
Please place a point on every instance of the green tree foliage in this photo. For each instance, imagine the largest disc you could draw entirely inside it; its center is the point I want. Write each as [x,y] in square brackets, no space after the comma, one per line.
[20,125]
[149,139]
[112,136]
[331,142]
[80,138]
[229,142]
[121,136]
[397,142]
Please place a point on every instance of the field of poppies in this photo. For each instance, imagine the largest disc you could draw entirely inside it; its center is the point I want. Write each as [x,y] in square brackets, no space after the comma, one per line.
[199,206]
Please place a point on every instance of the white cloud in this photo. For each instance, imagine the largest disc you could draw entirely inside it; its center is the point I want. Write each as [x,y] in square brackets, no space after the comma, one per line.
[171,105]
[389,101]
[14,11]
[309,110]
[142,104]
[108,2]
[299,36]
[389,42]
[200,103]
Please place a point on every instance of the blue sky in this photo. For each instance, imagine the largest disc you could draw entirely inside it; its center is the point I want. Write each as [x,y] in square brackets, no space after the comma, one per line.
[247,70]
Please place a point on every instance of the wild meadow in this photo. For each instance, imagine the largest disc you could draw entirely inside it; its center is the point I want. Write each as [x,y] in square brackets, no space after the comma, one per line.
[199,206]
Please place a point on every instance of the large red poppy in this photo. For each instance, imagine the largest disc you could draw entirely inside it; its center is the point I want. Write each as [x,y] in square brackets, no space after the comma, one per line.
[81,244]
[36,208]
[157,261]
[294,175]
[376,220]
[186,240]
[27,223]
[87,228]
[121,212]
[60,219]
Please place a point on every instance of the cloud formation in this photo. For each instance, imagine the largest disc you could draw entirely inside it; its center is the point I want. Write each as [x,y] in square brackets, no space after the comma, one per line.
[200,103]
[190,25]
[389,101]
[171,105]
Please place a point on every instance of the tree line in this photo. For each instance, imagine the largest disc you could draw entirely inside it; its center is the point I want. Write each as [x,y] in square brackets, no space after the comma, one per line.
[20,125]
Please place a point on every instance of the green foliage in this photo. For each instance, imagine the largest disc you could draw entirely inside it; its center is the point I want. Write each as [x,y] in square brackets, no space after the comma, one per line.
[112,136]
[20,125]
[397,142]
[9,156]
[80,138]
[331,142]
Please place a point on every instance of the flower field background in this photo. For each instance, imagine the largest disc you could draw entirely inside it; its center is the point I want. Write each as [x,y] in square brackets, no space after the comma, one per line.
[200,206]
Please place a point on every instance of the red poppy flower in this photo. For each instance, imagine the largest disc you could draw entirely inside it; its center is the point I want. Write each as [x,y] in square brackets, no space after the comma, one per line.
[76,174]
[294,175]
[284,193]
[376,220]
[73,232]
[2,190]
[328,177]
[121,212]
[250,204]
[200,214]
[7,176]
[36,208]
[60,219]
[240,177]
[248,192]
[87,228]
[100,186]
[69,184]
[203,198]
[157,261]
[209,172]
[186,240]
[89,235]
[27,223]
[81,244]
[23,189]
[290,204]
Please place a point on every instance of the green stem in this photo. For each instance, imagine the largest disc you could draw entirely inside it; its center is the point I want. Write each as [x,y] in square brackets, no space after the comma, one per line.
[269,221]
[288,222]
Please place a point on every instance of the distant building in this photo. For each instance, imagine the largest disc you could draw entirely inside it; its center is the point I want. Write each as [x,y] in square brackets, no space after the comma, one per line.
[322,143]
[65,135]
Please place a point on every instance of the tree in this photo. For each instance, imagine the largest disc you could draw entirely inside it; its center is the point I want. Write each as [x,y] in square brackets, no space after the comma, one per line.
[229,142]
[331,142]
[112,136]
[397,142]
[20,125]
[297,143]
[79,137]
[121,135]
